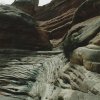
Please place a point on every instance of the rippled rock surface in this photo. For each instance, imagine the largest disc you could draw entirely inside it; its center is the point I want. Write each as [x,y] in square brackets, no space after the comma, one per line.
[68,73]
[28,75]
[47,12]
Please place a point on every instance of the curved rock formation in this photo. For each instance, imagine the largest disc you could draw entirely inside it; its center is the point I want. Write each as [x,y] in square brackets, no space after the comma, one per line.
[59,6]
[80,35]
[69,74]
[18,30]
[60,22]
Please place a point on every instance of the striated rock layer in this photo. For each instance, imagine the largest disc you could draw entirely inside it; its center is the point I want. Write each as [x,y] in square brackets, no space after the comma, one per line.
[56,8]
[60,22]
[71,73]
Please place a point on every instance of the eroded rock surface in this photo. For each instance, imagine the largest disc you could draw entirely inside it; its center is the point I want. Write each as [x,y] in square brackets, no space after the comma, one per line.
[81,34]
[29,75]
[59,6]
[72,74]
[24,75]
[57,24]
[85,34]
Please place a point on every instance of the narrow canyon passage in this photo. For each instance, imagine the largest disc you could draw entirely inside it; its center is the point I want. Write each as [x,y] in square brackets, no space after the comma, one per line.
[50,51]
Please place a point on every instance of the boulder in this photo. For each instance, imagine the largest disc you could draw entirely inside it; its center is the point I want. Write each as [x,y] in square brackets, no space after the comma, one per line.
[84,38]
[18,30]
[88,57]
[80,34]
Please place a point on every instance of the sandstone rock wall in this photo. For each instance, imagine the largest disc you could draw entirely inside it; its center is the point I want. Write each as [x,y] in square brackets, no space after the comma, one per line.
[60,22]
[68,73]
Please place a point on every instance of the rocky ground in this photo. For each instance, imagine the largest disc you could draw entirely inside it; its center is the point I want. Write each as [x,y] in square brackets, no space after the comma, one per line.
[50,52]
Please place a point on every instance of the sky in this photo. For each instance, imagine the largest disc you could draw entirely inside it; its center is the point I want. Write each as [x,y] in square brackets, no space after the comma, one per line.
[41,2]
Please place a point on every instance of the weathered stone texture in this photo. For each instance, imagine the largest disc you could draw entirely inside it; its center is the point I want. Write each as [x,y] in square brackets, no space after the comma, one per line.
[71,71]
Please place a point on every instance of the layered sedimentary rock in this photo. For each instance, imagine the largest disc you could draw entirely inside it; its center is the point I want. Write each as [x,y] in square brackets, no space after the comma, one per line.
[71,73]
[60,22]
[70,13]
[85,34]
[59,6]
[28,75]
[24,75]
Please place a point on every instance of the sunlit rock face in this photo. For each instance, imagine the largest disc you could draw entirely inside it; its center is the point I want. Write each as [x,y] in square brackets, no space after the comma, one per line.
[28,6]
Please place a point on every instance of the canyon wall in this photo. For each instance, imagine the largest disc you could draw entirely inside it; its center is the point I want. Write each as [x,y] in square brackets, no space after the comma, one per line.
[54,55]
